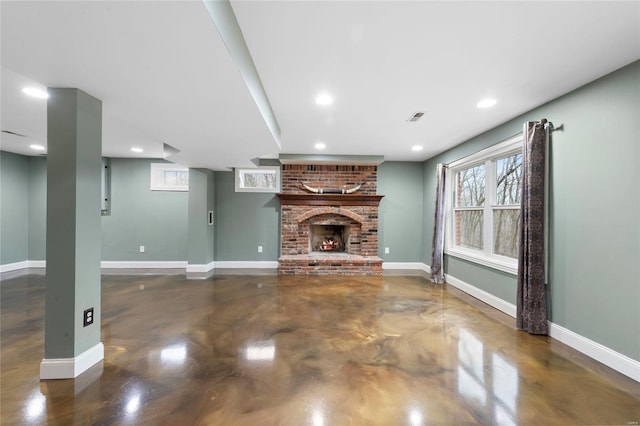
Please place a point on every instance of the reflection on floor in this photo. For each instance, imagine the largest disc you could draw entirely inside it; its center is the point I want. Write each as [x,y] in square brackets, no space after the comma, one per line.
[330,350]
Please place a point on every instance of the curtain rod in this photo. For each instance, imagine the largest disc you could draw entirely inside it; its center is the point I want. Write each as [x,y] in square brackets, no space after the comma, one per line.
[542,122]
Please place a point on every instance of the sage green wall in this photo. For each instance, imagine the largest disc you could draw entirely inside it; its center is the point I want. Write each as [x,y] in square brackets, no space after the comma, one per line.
[37,208]
[157,219]
[401,211]
[245,220]
[139,216]
[200,250]
[14,208]
[23,199]
[594,210]
[498,283]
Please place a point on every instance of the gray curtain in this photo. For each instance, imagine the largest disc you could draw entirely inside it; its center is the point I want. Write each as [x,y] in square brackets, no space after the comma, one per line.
[531,297]
[437,245]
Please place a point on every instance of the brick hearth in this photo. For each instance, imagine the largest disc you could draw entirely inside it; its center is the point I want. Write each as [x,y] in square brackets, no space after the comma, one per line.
[301,209]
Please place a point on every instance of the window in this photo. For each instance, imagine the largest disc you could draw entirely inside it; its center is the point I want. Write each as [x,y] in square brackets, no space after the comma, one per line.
[484,206]
[169,177]
[263,179]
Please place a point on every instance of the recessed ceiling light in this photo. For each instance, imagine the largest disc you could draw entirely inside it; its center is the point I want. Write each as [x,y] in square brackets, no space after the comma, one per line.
[320,145]
[324,99]
[486,103]
[135,149]
[416,148]
[35,92]
[37,147]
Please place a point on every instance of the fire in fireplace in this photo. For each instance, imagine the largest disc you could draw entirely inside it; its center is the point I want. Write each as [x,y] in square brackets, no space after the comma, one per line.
[328,238]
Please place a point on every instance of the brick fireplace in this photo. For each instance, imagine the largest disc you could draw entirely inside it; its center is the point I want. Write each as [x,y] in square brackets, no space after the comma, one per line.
[329,233]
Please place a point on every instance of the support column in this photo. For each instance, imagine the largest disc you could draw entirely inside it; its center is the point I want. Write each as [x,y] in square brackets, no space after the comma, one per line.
[200,252]
[74,126]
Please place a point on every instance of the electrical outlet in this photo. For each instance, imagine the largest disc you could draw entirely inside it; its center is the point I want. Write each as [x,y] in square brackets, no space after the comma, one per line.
[141,249]
[386,250]
[259,249]
[87,318]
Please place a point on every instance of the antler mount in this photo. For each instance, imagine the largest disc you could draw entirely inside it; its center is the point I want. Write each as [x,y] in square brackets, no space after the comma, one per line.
[343,190]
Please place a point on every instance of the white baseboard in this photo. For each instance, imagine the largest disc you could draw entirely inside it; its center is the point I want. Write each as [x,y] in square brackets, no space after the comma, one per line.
[246,264]
[619,362]
[612,359]
[8,267]
[201,268]
[175,264]
[427,269]
[70,368]
[406,265]
[488,298]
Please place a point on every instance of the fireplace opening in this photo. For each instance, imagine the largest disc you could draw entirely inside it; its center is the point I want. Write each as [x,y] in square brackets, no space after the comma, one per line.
[329,238]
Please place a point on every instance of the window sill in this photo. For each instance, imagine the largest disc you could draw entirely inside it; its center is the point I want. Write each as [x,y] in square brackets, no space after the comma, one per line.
[501,263]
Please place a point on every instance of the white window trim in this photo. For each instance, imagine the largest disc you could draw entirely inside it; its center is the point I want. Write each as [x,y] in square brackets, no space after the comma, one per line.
[238,180]
[486,156]
[157,180]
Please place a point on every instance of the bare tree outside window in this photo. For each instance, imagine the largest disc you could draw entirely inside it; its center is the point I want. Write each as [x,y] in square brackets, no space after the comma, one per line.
[262,179]
[471,187]
[469,230]
[506,220]
[470,200]
[176,178]
[509,171]
[259,180]
[168,177]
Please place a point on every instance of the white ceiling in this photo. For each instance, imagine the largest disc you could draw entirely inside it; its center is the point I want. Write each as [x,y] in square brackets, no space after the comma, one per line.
[164,74]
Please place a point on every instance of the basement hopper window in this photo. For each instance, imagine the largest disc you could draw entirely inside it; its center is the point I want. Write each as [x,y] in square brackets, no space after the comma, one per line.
[262,179]
[483,206]
[169,177]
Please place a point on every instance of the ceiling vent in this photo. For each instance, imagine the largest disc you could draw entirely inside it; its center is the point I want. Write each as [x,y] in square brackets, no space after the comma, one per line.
[415,116]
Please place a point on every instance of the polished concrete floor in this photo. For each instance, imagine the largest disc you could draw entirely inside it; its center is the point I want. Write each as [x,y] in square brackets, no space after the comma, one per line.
[269,350]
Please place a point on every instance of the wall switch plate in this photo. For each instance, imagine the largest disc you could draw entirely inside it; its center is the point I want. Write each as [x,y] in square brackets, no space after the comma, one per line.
[87,318]
[386,250]
[141,249]
[259,249]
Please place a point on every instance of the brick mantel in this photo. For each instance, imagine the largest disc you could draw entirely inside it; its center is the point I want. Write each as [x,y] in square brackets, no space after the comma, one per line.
[330,199]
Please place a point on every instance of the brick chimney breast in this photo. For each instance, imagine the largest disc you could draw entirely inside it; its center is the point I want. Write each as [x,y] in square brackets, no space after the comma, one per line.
[302,209]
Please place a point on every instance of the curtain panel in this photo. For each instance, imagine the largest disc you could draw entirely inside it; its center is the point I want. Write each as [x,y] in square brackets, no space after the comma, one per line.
[437,245]
[531,314]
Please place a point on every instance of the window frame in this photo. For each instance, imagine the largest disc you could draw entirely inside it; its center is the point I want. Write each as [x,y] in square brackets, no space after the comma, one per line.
[488,157]
[157,177]
[239,171]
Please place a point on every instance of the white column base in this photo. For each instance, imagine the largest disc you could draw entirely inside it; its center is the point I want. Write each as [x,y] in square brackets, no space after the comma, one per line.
[201,268]
[70,368]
